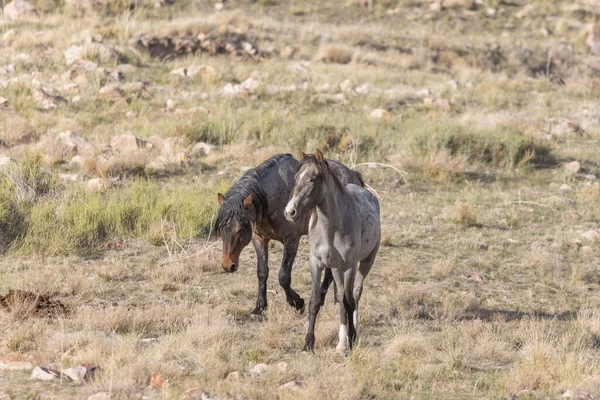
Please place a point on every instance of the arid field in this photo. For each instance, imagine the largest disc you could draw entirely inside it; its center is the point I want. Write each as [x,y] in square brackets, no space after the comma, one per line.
[476,122]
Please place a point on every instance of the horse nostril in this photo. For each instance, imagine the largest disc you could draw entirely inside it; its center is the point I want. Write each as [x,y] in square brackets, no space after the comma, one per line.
[233,268]
[293,212]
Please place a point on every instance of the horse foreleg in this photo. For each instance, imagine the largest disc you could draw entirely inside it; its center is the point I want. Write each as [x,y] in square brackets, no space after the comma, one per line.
[262,271]
[314,305]
[342,345]
[290,248]
[363,270]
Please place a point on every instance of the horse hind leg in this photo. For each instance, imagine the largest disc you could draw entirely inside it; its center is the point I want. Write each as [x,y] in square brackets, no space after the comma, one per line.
[363,270]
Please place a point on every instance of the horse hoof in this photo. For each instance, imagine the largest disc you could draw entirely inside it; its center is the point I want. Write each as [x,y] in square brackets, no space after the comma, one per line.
[308,348]
[299,304]
[257,312]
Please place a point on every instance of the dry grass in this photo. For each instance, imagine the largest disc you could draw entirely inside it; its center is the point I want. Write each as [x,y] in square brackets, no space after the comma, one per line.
[485,285]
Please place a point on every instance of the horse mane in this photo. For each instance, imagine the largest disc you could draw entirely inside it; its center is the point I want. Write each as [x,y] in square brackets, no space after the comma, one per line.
[248,184]
[325,170]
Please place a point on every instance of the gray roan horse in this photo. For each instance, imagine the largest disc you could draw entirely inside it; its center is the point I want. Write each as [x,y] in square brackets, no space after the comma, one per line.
[344,230]
[253,210]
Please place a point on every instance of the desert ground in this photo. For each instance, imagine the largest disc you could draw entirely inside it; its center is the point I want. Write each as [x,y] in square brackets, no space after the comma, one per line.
[477,123]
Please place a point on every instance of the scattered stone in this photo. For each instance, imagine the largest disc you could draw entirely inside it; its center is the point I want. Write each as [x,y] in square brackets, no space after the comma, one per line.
[363,89]
[5,161]
[234,375]
[234,90]
[196,393]
[442,104]
[126,68]
[564,127]
[46,99]
[202,149]
[157,381]
[73,53]
[155,168]
[565,187]
[476,277]
[525,11]
[292,385]
[593,40]
[591,235]
[195,71]
[573,167]
[259,369]
[288,52]
[99,396]
[380,113]
[251,84]
[111,93]
[9,35]
[171,104]
[18,9]
[99,184]
[3,102]
[68,177]
[46,374]
[346,86]
[128,143]
[18,362]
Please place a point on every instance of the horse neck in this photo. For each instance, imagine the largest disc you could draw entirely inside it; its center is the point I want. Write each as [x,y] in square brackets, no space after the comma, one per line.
[328,210]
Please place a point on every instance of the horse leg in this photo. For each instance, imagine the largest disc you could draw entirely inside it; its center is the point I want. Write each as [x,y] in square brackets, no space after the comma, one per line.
[363,270]
[262,271]
[349,303]
[290,248]
[314,305]
[327,279]
[342,345]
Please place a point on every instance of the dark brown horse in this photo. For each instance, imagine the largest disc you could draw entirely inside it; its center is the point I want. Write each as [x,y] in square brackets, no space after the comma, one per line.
[252,210]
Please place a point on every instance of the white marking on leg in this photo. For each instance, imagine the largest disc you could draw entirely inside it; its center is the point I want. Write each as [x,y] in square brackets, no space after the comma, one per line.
[355,319]
[342,345]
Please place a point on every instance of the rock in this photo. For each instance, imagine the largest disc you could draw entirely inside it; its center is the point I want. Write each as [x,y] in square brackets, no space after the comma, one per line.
[46,99]
[179,71]
[288,52]
[157,381]
[292,385]
[9,35]
[107,53]
[564,127]
[573,167]
[171,104]
[3,102]
[111,93]
[346,86]
[363,89]
[442,104]
[5,161]
[99,184]
[590,235]
[99,396]
[202,149]
[46,374]
[251,84]
[155,168]
[380,113]
[73,53]
[18,362]
[68,177]
[201,71]
[18,9]
[259,369]
[593,40]
[234,90]
[128,143]
[565,187]
[234,375]
[525,11]
[126,68]
[195,393]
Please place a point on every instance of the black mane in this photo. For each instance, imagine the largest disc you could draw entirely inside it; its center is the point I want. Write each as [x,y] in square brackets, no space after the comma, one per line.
[248,184]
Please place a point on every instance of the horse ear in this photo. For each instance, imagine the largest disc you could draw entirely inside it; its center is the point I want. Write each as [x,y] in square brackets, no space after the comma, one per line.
[319,156]
[221,198]
[248,201]
[301,155]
